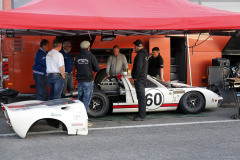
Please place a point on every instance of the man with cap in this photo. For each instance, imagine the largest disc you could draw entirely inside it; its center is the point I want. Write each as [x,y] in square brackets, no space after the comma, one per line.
[139,74]
[85,63]
[55,70]
[39,71]
[68,61]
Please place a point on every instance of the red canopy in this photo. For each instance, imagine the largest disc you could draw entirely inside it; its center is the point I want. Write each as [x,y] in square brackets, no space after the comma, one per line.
[117,15]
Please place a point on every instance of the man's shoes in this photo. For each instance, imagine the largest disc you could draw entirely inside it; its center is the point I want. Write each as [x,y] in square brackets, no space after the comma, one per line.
[90,124]
[137,118]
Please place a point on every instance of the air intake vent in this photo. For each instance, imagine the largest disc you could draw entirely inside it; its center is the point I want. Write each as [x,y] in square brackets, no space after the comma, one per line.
[18,47]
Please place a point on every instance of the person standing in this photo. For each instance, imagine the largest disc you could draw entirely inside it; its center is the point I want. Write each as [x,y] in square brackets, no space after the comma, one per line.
[85,63]
[116,63]
[39,71]
[155,67]
[68,61]
[139,75]
[55,70]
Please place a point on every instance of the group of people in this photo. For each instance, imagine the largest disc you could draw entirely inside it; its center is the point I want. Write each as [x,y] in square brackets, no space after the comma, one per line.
[54,68]
[58,74]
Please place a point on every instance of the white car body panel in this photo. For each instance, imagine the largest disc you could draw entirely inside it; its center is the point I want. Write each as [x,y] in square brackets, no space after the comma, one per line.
[170,97]
[22,115]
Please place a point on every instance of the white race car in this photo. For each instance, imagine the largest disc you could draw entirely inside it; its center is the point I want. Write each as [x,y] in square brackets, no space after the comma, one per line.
[119,95]
[21,116]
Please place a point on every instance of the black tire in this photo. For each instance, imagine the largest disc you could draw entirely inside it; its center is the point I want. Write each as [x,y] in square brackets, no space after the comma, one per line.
[100,76]
[99,104]
[192,102]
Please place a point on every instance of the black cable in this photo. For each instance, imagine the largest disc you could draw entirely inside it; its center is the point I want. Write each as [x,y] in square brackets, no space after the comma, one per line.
[195,44]
[203,41]
[197,39]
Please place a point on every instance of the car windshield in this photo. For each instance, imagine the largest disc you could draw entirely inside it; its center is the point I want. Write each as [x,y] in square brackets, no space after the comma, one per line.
[170,85]
[58,102]
[149,84]
[165,84]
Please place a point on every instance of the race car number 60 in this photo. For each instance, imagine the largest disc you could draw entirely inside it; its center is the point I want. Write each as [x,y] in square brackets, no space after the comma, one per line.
[154,99]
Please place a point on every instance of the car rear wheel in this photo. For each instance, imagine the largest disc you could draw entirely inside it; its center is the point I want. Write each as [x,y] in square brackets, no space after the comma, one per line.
[192,102]
[100,76]
[99,104]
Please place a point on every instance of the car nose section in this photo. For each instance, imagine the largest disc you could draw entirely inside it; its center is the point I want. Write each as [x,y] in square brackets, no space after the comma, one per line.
[19,125]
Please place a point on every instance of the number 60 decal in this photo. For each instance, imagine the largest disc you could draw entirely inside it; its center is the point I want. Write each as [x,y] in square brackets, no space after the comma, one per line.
[154,98]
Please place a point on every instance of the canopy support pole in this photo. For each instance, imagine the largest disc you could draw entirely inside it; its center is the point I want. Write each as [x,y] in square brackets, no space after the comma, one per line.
[189,61]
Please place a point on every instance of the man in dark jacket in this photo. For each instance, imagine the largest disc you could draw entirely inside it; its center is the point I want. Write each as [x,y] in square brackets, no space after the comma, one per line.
[139,74]
[68,61]
[85,63]
[39,71]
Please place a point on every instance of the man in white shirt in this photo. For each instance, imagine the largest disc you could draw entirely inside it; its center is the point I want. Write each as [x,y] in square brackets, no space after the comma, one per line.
[55,70]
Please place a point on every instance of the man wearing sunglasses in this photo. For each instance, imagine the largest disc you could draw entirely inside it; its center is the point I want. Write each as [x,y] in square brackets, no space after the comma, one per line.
[68,60]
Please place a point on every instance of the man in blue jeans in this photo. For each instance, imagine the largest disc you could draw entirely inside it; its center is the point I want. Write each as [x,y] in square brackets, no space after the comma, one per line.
[85,63]
[39,71]
[55,70]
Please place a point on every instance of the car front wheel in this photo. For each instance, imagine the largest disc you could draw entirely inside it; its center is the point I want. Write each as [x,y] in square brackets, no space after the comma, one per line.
[192,102]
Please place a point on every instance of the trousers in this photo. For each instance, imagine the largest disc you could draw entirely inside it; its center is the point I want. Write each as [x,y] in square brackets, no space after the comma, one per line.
[41,87]
[68,84]
[140,84]
[55,83]
[85,91]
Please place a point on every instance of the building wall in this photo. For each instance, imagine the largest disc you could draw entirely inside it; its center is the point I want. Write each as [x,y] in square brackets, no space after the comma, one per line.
[229,5]
[6,4]
[19,3]
[0,4]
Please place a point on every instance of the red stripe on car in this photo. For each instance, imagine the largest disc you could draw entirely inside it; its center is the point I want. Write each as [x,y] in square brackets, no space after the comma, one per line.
[170,105]
[136,106]
[20,106]
[126,106]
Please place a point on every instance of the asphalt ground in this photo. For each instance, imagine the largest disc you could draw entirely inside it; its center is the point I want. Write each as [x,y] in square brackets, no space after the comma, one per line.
[212,134]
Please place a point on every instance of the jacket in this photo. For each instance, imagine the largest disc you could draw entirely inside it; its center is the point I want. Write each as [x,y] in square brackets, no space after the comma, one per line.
[140,65]
[115,65]
[39,66]
[68,61]
[85,63]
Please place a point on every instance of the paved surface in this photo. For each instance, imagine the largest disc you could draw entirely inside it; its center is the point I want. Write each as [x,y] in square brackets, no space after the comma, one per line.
[211,134]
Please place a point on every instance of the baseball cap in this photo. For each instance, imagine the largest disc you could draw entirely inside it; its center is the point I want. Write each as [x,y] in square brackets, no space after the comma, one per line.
[85,44]
[138,42]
